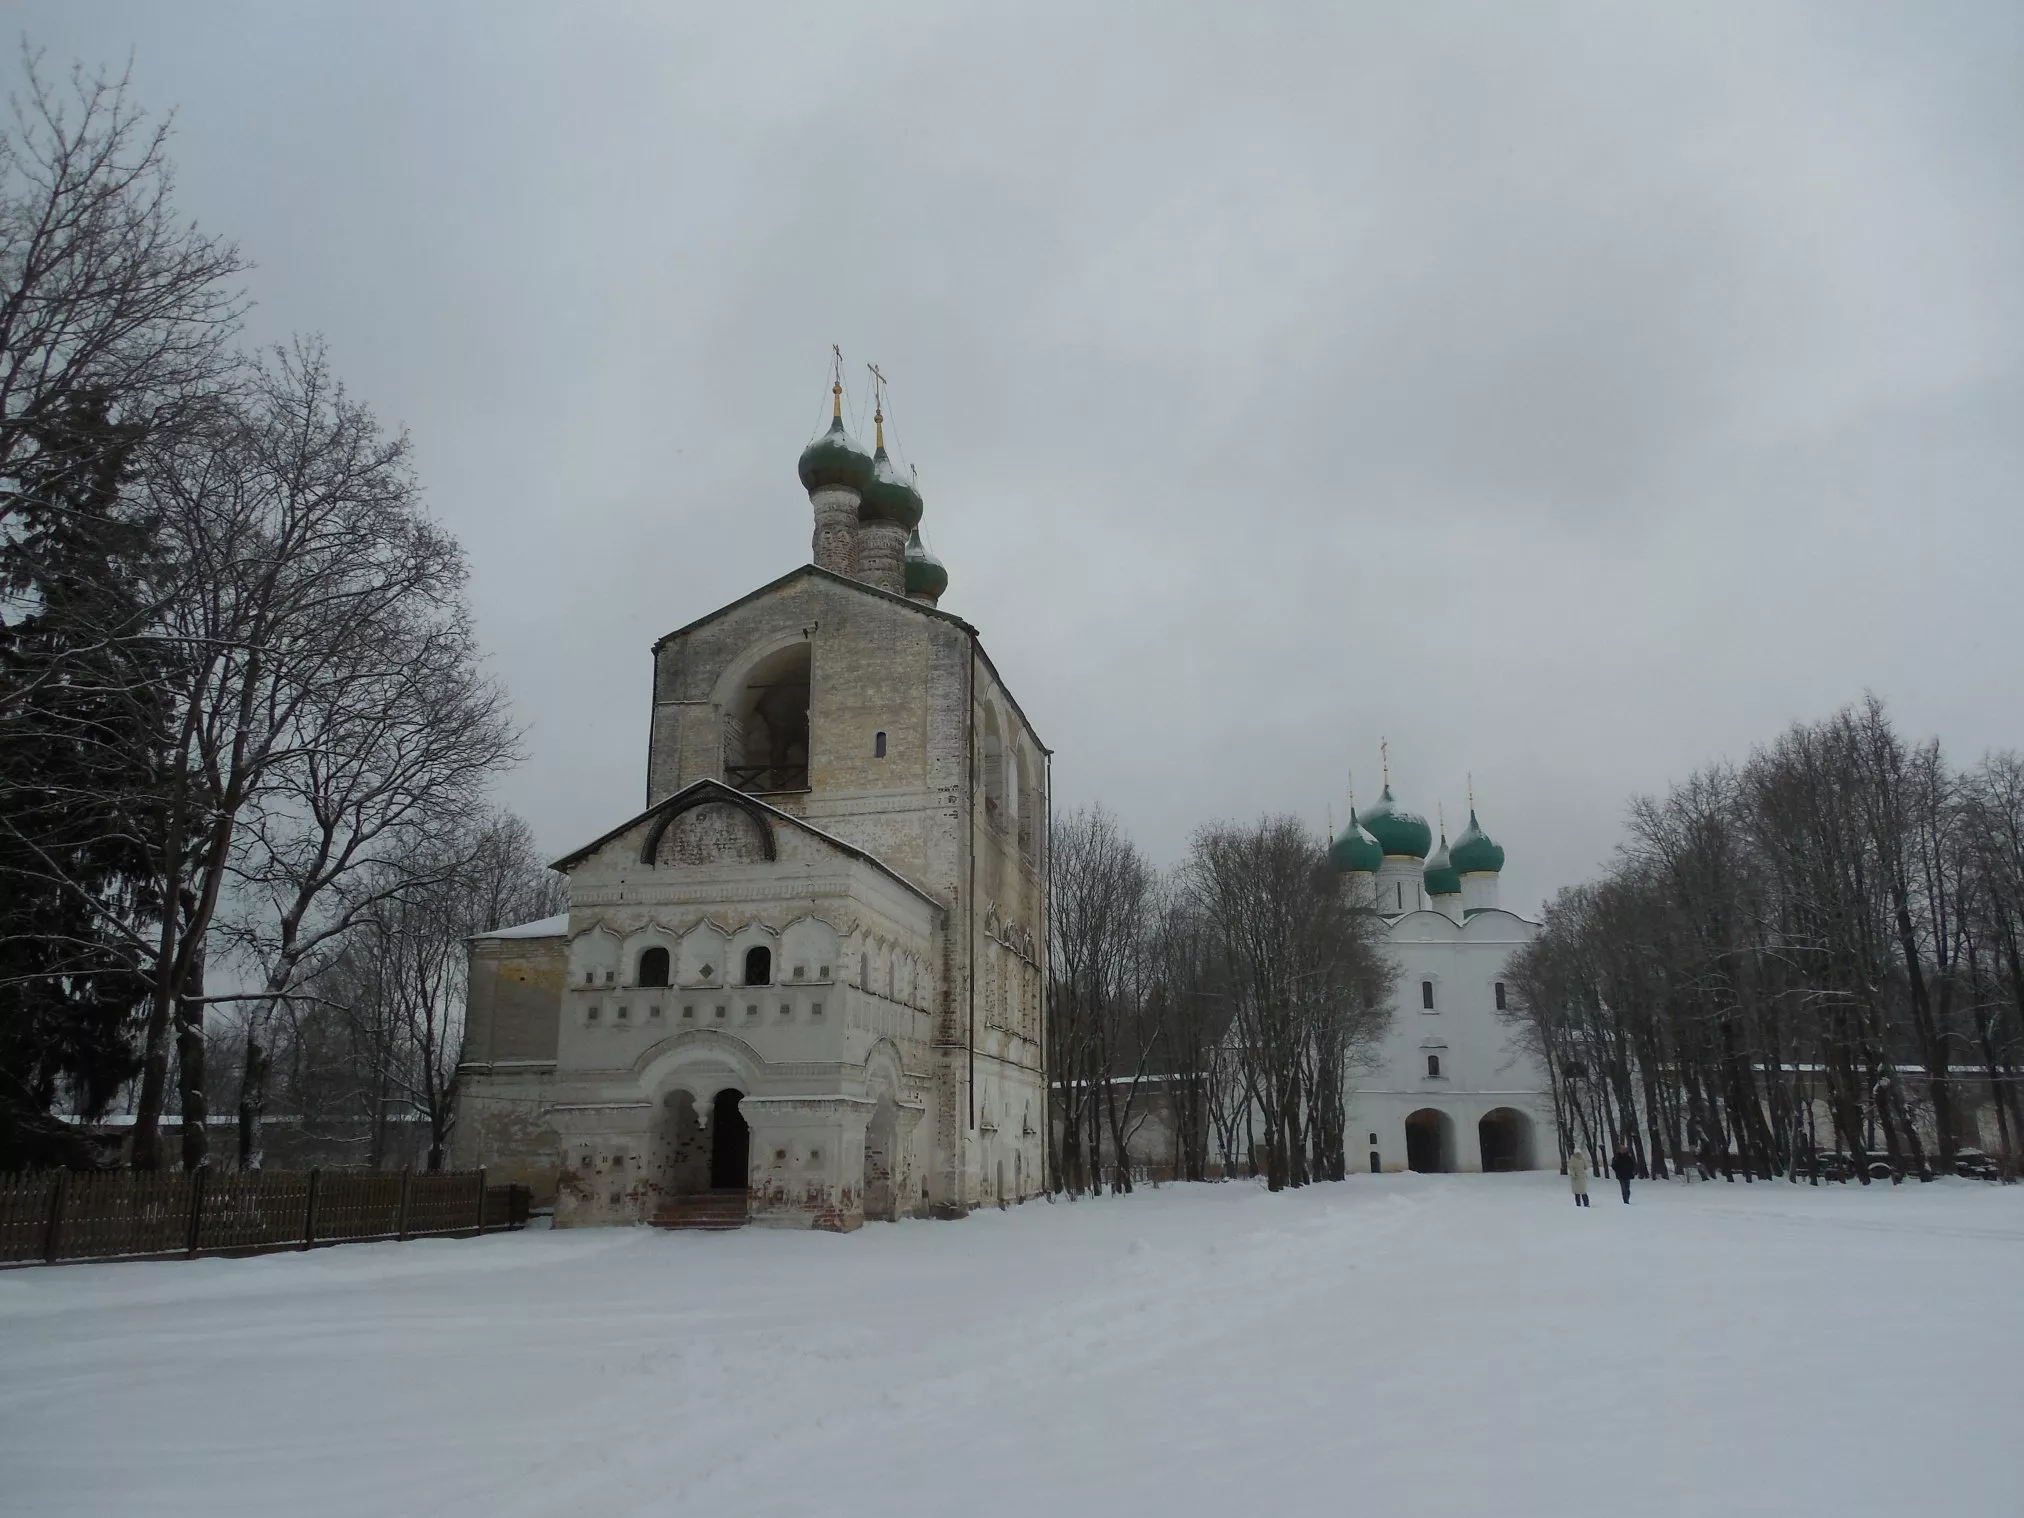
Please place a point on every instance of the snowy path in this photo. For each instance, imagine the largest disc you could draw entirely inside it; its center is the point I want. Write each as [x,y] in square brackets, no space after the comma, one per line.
[1395,1346]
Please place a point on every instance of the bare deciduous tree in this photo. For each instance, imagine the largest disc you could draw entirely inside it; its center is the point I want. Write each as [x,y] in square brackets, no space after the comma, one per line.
[1830,928]
[390,753]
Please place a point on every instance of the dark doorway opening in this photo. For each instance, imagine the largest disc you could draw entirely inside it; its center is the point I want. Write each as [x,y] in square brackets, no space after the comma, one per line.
[730,1143]
[1424,1142]
[881,1159]
[654,967]
[758,967]
[1502,1134]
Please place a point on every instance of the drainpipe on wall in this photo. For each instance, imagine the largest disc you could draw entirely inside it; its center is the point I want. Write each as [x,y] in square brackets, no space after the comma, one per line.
[970,957]
[1047,978]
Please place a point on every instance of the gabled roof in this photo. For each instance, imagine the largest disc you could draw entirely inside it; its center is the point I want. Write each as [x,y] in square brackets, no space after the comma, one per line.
[814,571]
[703,792]
[817,572]
[546,927]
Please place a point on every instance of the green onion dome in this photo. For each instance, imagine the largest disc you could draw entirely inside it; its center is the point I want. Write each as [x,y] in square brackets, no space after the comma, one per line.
[925,574]
[888,498]
[1474,852]
[1398,831]
[1441,877]
[835,459]
[1354,851]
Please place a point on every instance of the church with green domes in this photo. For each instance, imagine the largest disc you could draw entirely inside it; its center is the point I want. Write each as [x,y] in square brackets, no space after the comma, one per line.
[1452,1087]
[803,988]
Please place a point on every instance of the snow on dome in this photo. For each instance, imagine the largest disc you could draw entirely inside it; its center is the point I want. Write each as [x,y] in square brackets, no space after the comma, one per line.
[835,459]
[889,496]
[1399,832]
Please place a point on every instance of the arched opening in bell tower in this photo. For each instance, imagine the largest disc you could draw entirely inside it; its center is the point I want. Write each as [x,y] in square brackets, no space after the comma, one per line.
[766,729]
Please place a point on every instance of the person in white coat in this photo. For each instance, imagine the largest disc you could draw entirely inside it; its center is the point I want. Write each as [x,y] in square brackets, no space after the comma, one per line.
[1577,1174]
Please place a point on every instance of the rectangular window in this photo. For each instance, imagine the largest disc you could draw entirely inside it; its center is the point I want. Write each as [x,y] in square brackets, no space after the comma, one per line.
[590,1014]
[815,1009]
[800,972]
[688,1011]
[653,1012]
[624,1013]
[721,1010]
[751,1009]
[825,973]
[1427,995]
[1500,996]
[785,1009]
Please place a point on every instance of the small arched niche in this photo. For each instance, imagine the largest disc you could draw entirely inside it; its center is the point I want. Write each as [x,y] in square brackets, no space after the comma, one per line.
[991,763]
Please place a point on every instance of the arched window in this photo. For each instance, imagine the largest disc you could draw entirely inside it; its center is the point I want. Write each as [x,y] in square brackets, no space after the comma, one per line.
[759,967]
[1433,1064]
[1426,996]
[1500,996]
[878,746]
[654,967]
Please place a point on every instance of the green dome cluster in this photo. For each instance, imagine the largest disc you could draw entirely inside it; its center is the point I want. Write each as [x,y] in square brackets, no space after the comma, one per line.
[1441,877]
[888,498]
[925,574]
[1354,851]
[835,460]
[1474,852]
[1398,831]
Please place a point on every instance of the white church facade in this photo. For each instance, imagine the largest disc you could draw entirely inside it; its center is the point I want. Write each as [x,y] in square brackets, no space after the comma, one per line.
[1452,1086]
[803,986]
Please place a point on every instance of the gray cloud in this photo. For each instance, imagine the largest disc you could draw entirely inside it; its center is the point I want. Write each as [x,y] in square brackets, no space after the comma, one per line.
[1573,394]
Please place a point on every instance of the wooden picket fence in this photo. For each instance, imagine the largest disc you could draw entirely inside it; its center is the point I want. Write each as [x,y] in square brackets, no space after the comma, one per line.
[54,1217]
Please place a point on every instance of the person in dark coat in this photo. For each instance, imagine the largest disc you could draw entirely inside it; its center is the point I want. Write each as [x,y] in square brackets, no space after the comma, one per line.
[1624,1167]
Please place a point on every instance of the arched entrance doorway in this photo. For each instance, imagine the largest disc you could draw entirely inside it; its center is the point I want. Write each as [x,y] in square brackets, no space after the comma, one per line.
[881,1194]
[1506,1139]
[1427,1146]
[730,1143]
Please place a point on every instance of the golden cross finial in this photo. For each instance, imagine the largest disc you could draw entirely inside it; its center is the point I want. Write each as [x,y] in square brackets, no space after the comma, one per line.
[1352,795]
[878,391]
[1472,793]
[836,382]
[1384,754]
[1441,816]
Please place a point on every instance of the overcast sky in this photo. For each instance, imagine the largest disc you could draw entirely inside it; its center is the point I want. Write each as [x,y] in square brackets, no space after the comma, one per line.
[1573,395]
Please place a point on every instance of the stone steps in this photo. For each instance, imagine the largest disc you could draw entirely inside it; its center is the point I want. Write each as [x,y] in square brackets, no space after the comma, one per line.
[715,1210]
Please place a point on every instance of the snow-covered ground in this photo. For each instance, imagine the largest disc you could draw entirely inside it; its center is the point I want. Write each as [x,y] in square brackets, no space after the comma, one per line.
[1397,1345]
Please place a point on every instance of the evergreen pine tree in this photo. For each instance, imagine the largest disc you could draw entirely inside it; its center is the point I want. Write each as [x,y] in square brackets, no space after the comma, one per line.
[81,736]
